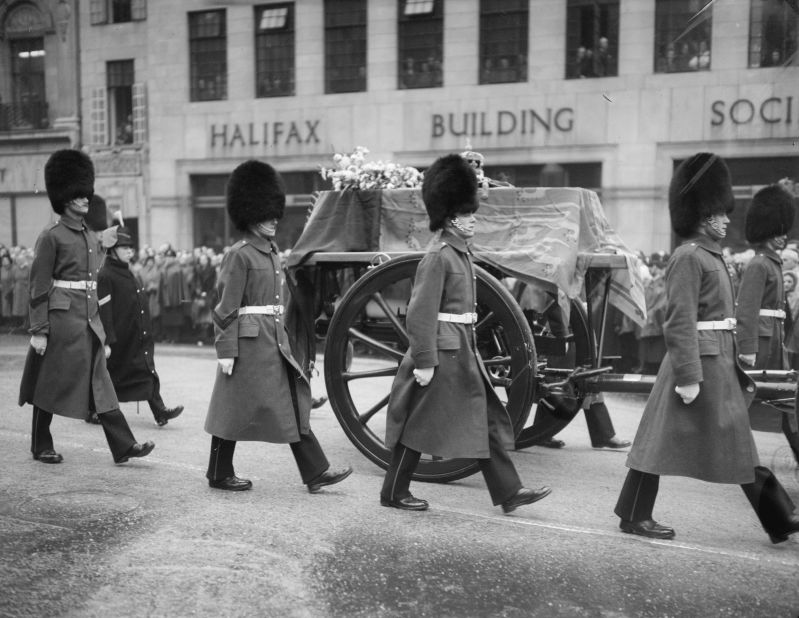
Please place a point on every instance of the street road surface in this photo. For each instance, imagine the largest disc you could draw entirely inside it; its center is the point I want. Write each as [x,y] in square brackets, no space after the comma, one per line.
[150,538]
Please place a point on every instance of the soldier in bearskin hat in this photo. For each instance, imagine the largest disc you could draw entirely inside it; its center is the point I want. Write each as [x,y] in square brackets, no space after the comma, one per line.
[442,401]
[125,313]
[695,422]
[65,371]
[260,393]
[761,297]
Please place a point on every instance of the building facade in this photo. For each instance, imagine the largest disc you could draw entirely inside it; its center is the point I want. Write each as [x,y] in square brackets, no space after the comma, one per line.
[607,94]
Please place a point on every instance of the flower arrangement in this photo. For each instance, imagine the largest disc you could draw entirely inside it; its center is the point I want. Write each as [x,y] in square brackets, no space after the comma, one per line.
[352,171]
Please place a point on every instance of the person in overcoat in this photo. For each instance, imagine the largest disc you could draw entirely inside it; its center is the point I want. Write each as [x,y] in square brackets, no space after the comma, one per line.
[152,280]
[441,401]
[695,422]
[173,296]
[125,313]
[760,310]
[65,371]
[261,393]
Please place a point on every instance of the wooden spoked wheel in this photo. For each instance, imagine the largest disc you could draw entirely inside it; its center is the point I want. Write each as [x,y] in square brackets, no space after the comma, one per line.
[367,339]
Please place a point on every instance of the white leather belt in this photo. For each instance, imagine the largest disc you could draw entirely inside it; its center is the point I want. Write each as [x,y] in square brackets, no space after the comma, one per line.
[460,318]
[726,324]
[262,309]
[75,285]
[773,313]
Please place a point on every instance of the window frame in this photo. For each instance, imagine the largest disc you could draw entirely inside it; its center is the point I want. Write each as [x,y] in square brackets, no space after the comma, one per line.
[577,38]
[414,31]
[758,33]
[120,79]
[283,64]
[201,47]
[678,17]
[492,20]
[345,44]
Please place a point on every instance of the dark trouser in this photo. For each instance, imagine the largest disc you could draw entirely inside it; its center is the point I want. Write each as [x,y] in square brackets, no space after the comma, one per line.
[308,453]
[792,436]
[767,496]
[117,432]
[155,402]
[498,471]
[600,427]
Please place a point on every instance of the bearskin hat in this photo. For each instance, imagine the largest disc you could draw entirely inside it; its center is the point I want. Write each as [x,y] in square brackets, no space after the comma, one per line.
[700,187]
[449,187]
[770,214]
[255,193]
[68,174]
[97,217]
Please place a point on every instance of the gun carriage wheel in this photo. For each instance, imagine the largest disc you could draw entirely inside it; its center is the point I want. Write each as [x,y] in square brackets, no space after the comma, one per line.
[370,321]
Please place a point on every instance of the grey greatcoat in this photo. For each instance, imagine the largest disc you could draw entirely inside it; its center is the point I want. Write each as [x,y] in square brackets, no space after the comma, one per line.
[708,439]
[761,287]
[255,402]
[450,416]
[73,366]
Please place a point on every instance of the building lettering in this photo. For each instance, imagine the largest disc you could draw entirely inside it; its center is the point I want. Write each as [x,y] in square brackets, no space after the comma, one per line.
[772,110]
[266,134]
[503,122]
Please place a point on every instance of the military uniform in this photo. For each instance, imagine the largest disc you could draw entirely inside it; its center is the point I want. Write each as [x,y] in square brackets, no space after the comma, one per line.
[71,376]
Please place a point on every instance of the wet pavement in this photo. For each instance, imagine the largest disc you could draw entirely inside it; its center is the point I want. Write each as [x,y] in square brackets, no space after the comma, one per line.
[150,538]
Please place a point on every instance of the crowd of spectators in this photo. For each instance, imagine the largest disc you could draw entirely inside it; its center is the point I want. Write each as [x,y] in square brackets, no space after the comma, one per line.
[593,62]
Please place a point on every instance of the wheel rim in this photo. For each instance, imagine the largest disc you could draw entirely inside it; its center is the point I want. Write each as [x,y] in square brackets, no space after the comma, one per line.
[371,319]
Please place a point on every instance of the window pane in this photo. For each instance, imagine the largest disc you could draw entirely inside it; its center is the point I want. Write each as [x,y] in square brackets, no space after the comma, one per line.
[274,50]
[120,11]
[119,77]
[208,56]
[503,41]
[682,35]
[420,40]
[592,38]
[345,46]
[773,28]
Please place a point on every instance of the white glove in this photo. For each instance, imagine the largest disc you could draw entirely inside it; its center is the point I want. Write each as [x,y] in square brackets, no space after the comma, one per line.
[689,392]
[747,359]
[39,344]
[226,365]
[107,352]
[423,376]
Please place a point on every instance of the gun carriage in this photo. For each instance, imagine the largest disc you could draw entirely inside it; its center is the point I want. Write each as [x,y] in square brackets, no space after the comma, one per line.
[549,268]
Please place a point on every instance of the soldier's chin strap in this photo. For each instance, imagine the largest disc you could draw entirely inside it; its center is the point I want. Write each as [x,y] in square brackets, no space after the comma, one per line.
[456,223]
[715,224]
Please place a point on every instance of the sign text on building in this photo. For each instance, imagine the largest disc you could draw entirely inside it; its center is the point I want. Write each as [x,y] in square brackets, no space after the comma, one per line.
[771,110]
[266,134]
[503,122]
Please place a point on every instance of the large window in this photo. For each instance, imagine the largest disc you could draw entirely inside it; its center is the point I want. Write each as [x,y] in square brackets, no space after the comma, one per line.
[117,11]
[682,35]
[420,43]
[119,80]
[345,46]
[773,28]
[503,41]
[208,55]
[274,50]
[592,38]
[27,83]
[587,175]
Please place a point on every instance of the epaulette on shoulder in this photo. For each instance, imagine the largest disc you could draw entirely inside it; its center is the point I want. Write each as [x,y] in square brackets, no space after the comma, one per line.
[438,246]
[52,225]
[238,245]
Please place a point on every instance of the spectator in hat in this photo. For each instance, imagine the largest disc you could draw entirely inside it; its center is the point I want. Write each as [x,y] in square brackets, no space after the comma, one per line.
[260,393]
[65,371]
[442,401]
[125,313]
[695,422]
